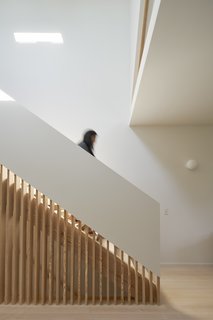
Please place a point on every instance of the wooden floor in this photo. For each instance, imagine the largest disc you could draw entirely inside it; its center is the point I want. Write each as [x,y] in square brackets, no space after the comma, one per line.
[187,294]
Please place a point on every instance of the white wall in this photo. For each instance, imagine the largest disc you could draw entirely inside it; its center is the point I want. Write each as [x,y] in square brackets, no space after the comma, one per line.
[85,84]
[153,158]
[81,184]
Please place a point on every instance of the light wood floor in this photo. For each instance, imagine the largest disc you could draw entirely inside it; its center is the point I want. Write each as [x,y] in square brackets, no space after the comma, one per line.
[187,294]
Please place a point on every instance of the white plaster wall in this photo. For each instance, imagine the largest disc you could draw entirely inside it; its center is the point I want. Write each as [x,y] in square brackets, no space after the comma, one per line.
[86,84]
[153,158]
[81,184]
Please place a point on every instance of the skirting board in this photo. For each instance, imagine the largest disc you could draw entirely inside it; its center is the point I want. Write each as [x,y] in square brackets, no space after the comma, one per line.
[186,264]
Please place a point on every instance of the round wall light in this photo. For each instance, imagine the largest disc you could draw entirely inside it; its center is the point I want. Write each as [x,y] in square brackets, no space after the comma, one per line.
[191,164]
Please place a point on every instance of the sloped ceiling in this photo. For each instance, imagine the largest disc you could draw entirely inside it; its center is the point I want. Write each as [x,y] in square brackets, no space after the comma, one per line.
[176,87]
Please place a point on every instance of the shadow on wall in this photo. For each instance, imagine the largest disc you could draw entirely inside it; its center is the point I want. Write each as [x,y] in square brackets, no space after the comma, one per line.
[186,233]
[171,147]
[199,249]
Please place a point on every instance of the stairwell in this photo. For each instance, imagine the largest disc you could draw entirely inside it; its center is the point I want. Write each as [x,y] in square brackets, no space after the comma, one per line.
[59,244]
[48,256]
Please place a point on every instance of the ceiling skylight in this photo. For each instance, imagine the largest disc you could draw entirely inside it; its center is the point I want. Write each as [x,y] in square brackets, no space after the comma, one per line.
[29,37]
[5,97]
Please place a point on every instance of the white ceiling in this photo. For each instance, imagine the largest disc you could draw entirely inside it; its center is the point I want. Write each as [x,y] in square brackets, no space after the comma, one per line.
[176,87]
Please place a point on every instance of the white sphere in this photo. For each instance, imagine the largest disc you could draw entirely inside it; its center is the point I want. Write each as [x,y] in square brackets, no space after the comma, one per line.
[191,164]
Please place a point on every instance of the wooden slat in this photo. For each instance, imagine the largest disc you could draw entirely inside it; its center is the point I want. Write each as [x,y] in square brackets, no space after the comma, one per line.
[143,286]
[7,244]
[136,282]
[2,238]
[79,262]
[107,267]
[44,252]
[22,264]
[16,283]
[129,280]
[93,267]
[65,259]
[158,290]
[100,271]
[115,275]
[122,277]
[58,255]
[37,249]
[51,252]
[150,287]
[15,245]
[72,261]
[86,265]
[29,247]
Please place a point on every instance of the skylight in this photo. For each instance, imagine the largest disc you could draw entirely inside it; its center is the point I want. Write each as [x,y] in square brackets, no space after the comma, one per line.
[29,37]
[5,97]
